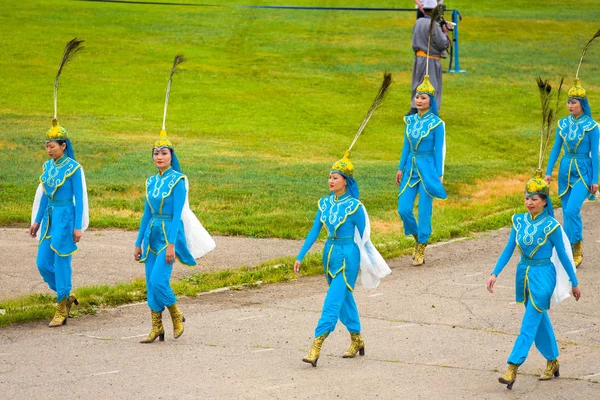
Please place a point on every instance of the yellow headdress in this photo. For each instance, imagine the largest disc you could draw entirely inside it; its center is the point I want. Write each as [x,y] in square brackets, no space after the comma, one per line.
[163,141]
[577,91]
[344,165]
[426,87]
[57,132]
[537,185]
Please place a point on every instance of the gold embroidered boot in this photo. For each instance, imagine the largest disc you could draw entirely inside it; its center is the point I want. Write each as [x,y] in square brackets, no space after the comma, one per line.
[60,316]
[70,301]
[510,376]
[551,370]
[178,320]
[157,329]
[420,255]
[315,350]
[414,254]
[357,345]
[577,253]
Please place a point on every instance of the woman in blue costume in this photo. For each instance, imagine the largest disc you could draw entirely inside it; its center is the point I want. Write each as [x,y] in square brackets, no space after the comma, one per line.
[578,135]
[60,207]
[421,168]
[59,210]
[545,268]
[168,231]
[348,247]
[163,237]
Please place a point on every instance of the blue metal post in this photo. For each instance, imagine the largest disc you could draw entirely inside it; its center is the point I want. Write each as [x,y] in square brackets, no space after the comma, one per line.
[455,20]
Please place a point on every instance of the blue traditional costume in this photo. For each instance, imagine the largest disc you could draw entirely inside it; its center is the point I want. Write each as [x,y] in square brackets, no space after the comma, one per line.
[348,249]
[578,170]
[545,269]
[422,166]
[60,207]
[168,219]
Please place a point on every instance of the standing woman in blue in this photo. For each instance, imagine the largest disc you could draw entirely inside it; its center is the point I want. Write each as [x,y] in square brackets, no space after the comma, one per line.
[421,168]
[60,208]
[347,249]
[578,171]
[168,231]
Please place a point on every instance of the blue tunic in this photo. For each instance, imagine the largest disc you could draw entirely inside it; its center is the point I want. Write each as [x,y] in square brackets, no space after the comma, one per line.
[61,207]
[340,216]
[422,154]
[161,223]
[536,275]
[579,138]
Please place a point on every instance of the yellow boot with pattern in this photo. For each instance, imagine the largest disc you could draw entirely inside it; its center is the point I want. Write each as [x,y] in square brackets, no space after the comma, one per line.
[178,320]
[61,314]
[315,350]
[551,370]
[158,331]
[577,253]
[357,345]
[420,255]
[510,376]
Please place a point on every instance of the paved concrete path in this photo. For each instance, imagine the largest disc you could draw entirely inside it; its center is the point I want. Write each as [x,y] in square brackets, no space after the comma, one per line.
[431,333]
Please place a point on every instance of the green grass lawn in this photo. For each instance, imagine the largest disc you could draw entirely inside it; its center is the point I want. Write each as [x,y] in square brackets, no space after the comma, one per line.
[269,99]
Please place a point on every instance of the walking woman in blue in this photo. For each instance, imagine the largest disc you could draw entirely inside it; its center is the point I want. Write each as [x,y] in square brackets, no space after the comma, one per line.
[60,208]
[347,249]
[578,134]
[546,267]
[421,168]
[168,231]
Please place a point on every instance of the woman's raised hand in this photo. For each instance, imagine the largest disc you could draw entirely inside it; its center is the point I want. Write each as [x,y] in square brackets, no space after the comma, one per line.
[548,178]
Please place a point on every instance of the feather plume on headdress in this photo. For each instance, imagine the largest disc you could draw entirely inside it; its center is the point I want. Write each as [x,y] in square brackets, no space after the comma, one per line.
[344,165]
[178,60]
[549,113]
[435,16]
[73,47]
[584,51]
[383,90]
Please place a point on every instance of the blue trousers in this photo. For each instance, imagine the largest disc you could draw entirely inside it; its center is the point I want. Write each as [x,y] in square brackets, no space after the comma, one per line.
[55,269]
[535,328]
[158,287]
[339,304]
[572,201]
[406,203]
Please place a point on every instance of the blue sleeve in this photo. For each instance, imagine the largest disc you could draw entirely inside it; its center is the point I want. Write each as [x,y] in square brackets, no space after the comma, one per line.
[507,253]
[78,195]
[42,209]
[558,141]
[178,194]
[404,157]
[360,220]
[143,224]
[312,237]
[556,239]
[594,147]
[439,148]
